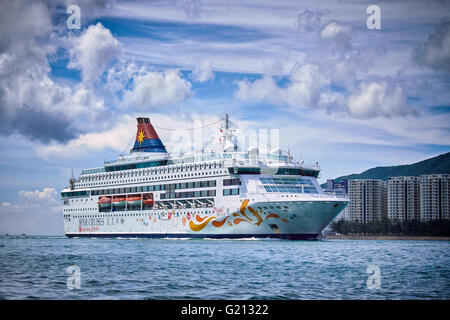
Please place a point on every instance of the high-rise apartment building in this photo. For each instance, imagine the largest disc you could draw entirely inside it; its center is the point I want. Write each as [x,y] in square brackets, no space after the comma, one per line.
[404,198]
[368,199]
[434,197]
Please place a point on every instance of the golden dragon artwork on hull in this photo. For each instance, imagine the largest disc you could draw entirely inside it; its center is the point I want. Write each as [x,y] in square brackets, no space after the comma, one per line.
[234,219]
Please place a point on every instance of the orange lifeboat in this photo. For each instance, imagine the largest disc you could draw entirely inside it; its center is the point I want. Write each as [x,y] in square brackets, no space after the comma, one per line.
[148,202]
[120,202]
[104,202]
[134,201]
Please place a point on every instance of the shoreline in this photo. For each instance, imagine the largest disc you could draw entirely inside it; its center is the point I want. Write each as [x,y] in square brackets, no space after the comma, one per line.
[361,237]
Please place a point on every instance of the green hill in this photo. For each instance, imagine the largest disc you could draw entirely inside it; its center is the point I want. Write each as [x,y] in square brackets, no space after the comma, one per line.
[439,164]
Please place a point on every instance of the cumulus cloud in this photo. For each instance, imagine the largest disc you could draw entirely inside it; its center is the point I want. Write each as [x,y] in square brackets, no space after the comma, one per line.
[120,137]
[275,67]
[305,86]
[35,105]
[31,102]
[28,199]
[120,76]
[83,100]
[309,20]
[338,33]
[203,72]
[116,139]
[153,89]
[46,194]
[28,97]
[332,29]
[8,207]
[308,87]
[37,124]
[261,89]
[378,99]
[21,22]
[435,52]
[33,212]
[303,89]
[94,51]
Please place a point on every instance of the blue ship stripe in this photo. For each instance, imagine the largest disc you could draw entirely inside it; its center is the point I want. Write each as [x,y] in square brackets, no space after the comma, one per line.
[289,236]
[149,145]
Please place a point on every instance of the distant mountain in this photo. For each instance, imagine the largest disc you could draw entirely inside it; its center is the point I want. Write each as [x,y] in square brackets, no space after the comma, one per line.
[439,164]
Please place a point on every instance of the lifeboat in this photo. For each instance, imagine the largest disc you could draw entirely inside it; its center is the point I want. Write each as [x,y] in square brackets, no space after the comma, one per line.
[134,201]
[148,202]
[119,202]
[104,202]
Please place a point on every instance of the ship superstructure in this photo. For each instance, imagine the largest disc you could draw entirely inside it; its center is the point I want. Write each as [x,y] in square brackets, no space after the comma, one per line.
[221,194]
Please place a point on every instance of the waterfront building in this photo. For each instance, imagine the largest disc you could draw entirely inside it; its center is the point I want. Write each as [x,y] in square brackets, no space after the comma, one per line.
[368,199]
[404,198]
[434,197]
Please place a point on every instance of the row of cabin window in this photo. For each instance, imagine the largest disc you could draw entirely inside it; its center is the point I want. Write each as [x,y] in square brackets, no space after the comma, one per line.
[142,179]
[160,187]
[188,194]
[75,194]
[154,171]
[230,192]
[231,182]
[290,189]
[185,185]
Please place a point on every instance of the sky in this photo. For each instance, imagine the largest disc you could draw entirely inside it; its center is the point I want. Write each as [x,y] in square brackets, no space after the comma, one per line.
[337,84]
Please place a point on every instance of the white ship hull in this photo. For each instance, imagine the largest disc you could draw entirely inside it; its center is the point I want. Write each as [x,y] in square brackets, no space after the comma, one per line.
[295,220]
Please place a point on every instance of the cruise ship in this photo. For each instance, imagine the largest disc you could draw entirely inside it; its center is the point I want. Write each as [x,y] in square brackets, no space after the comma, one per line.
[226,193]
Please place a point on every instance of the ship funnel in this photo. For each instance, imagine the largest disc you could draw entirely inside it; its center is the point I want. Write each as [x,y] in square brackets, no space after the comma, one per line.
[147,139]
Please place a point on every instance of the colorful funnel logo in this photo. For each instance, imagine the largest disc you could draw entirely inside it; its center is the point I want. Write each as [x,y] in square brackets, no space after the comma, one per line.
[147,139]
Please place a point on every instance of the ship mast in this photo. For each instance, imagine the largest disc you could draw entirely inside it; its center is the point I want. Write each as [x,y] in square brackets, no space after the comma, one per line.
[72,181]
[226,136]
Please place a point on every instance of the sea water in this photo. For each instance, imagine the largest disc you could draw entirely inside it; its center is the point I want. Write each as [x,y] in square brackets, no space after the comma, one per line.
[91,268]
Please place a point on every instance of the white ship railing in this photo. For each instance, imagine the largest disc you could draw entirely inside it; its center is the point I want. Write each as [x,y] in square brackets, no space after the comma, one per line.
[231,158]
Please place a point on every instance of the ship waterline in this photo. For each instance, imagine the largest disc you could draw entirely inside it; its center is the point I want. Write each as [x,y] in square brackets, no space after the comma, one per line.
[225,194]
